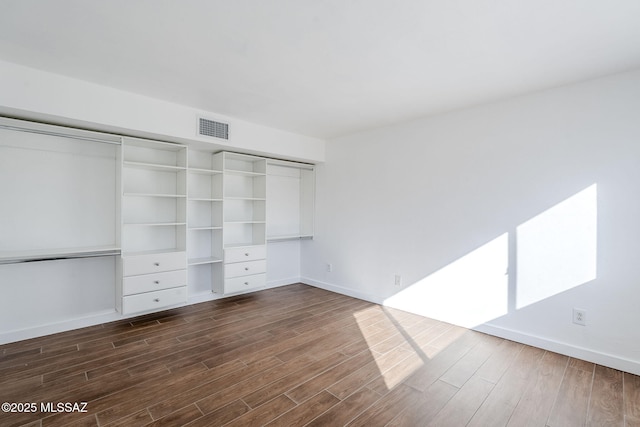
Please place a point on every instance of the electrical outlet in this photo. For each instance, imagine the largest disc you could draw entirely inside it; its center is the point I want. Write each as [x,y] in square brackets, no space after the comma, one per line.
[398,280]
[329,267]
[580,316]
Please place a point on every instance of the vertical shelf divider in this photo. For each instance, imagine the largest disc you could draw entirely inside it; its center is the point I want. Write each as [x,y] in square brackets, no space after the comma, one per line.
[205,222]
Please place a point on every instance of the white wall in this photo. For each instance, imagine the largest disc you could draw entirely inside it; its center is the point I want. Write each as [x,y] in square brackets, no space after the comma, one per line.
[52,294]
[283,263]
[547,184]
[37,95]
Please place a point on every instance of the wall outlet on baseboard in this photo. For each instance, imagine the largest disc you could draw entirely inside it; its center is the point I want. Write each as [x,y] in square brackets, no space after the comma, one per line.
[329,267]
[580,316]
[398,280]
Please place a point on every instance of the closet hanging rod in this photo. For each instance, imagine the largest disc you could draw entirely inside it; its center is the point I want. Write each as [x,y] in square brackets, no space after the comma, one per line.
[59,256]
[59,134]
[290,164]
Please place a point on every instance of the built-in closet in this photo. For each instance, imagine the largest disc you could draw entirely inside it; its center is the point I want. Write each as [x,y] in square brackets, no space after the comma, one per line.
[94,223]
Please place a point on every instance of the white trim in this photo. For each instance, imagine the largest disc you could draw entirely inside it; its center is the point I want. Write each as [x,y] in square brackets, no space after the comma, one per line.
[577,352]
[342,290]
[570,350]
[282,282]
[59,131]
[107,316]
[61,326]
[289,164]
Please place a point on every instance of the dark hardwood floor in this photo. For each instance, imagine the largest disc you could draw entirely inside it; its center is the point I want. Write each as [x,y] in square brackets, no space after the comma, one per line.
[296,356]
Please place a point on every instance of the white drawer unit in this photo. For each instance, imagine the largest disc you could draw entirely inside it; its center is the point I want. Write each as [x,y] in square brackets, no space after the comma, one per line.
[153,300]
[154,282]
[153,263]
[245,283]
[245,268]
[245,253]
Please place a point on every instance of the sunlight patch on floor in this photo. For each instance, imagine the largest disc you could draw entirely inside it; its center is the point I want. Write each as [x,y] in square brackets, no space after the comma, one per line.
[394,351]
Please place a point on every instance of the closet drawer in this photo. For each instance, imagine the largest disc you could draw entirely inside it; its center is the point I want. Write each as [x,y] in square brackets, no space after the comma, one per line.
[245,253]
[153,263]
[244,283]
[245,268]
[154,282]
[154,300]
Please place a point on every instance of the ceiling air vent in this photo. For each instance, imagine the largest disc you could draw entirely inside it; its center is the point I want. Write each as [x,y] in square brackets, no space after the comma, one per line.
[212,128]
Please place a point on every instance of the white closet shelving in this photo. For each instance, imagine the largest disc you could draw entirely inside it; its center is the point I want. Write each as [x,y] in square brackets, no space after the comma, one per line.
[154,221]
[205,221]
[86,212]
[244,200]
[154,197]
[58,187]
[244,222]
[59,225]
[290,200]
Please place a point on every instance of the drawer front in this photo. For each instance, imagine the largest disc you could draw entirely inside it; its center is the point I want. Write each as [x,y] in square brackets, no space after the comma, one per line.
[245,268]
[244,283]
[154,282]
[245,253]
[153,263]
[153,300]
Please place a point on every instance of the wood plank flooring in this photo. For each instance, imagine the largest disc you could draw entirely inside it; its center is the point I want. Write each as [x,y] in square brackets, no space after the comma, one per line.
[299,355]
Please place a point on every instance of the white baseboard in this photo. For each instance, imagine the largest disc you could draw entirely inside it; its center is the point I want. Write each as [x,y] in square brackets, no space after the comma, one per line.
[62,326]
[341,290]
[110,316]
[600,358]
[89,320]
[283,282]
[604,359]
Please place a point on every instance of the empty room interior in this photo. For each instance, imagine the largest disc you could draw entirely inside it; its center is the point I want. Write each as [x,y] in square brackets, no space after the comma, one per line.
[320,213]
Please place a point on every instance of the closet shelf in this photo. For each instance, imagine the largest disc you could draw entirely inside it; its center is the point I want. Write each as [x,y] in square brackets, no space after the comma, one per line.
[289,237]
[175,196]
[155,224]
[201,261]
[205,171]
[153,166]
[153,251]
[243,173]
[245,222]
[259,199]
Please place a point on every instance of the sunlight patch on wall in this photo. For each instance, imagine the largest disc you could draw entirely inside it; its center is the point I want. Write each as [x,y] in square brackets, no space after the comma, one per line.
[557,250]
[469,291]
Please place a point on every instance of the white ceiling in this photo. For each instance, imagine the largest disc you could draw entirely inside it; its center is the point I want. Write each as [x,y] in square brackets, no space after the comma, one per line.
[324,67]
